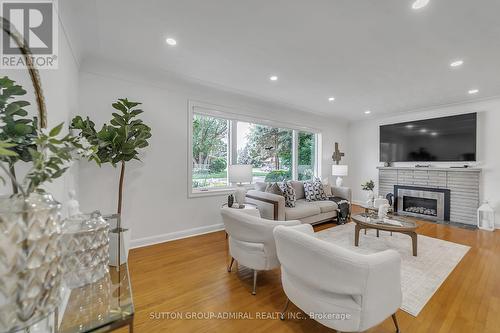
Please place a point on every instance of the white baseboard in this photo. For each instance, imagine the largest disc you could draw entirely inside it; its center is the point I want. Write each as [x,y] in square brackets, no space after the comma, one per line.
[359,203]
[146,241]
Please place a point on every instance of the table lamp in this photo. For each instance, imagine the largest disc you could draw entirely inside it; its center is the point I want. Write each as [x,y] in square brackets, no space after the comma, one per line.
[239,174]
[339,171]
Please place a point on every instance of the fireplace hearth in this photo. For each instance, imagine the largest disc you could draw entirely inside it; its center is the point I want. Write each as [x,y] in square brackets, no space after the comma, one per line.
[423,202]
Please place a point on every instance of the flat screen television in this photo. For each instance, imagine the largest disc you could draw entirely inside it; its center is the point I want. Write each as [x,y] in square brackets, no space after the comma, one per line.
[446,139]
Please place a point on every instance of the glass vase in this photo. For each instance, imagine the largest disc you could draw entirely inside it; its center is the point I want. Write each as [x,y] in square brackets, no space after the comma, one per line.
[30,259]
[86,249]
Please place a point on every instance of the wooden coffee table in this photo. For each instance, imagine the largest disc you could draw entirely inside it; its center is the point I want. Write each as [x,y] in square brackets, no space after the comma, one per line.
[370,221]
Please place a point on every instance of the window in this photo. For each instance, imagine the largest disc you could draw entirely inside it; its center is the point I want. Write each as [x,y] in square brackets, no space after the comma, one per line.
[306,155]
[210,152]
[268,149]
[219,139]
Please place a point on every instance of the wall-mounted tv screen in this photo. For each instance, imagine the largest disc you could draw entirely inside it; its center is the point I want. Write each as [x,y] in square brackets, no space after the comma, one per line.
[446,139]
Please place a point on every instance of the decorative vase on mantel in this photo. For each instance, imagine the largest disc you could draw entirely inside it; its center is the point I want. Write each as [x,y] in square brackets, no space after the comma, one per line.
[30,259]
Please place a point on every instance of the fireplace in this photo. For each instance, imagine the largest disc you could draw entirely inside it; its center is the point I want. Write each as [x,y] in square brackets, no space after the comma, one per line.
[423,202]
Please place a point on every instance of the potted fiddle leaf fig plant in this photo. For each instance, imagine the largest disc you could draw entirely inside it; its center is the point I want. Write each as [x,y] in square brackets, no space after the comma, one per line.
[118,143]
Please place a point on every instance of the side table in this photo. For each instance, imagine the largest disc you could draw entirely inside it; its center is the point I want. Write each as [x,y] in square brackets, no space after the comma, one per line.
[249,209]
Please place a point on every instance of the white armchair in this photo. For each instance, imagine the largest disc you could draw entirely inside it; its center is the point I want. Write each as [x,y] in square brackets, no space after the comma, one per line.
[341,289]
[251,241]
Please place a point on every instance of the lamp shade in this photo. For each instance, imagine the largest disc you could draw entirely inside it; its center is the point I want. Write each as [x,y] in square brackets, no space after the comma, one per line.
[240,173]
[339,170]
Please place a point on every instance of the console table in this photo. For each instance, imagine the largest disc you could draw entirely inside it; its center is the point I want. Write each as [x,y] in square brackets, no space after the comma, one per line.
[98,307]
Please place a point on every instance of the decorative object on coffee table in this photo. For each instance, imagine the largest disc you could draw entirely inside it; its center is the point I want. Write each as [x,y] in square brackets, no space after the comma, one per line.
[392,224]
[486,217]
[390,198]
[369,186]
[339,171]
[380,201]
[230,200]
[383,210]
[239,174]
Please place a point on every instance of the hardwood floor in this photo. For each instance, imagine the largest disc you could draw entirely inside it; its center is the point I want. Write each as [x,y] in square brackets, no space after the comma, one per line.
[188,276]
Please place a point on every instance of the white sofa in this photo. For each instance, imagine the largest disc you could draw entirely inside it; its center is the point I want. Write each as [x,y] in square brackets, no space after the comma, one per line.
[272,206]
[251,240]
[327,280]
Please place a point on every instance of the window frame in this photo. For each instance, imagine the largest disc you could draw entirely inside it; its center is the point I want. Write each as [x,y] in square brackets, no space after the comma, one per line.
[231,114]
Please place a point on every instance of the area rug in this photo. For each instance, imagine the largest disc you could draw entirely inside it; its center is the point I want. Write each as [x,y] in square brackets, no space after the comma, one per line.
[421,276]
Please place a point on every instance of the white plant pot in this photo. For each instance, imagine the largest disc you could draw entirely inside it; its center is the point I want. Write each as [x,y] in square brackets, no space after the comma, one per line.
[113,247]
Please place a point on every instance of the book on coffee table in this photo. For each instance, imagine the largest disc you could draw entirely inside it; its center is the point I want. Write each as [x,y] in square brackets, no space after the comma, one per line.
[391,222]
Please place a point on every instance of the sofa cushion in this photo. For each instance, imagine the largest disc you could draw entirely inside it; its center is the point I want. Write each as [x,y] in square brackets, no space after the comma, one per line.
[326,206]
[302,209]
[299,189]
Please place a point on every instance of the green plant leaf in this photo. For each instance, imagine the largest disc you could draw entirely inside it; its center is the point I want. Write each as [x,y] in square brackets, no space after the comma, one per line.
[22,129]
[120,106]
[56,130]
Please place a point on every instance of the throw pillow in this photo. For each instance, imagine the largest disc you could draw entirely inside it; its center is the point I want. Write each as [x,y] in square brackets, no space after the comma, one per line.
[314,191]
[261,186]
[288,193]
[327,188]
[274,189]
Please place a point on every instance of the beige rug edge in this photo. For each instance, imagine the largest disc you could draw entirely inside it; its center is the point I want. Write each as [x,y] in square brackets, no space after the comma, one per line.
[421,276]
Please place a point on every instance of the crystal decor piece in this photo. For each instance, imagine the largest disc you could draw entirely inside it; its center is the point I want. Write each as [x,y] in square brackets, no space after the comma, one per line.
[86,246]
[30,259]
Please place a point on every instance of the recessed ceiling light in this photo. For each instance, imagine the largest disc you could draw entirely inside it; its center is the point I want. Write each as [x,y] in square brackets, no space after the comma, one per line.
[473,91]
[368,112]
[456,63]
[171,41]
[410,126]
[273,78]
[434,133]
[420,4]
[423,130]
[331,99]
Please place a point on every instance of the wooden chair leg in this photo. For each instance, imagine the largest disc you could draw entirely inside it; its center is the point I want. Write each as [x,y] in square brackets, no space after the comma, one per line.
[395,320]
[230,265]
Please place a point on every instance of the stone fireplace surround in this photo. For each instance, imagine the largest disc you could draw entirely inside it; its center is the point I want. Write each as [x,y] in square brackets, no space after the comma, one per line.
[440,198]
[462,183]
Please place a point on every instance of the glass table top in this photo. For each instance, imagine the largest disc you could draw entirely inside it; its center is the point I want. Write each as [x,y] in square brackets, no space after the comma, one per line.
[391,220]
[99,306]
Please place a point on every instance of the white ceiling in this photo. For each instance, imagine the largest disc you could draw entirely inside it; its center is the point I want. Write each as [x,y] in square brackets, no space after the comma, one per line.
[370,54]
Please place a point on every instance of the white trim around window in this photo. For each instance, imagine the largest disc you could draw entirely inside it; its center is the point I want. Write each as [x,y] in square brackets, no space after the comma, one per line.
[202,108]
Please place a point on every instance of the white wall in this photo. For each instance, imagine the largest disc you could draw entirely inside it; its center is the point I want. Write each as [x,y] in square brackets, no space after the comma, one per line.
[364,150]
[156,203]
[60,88]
